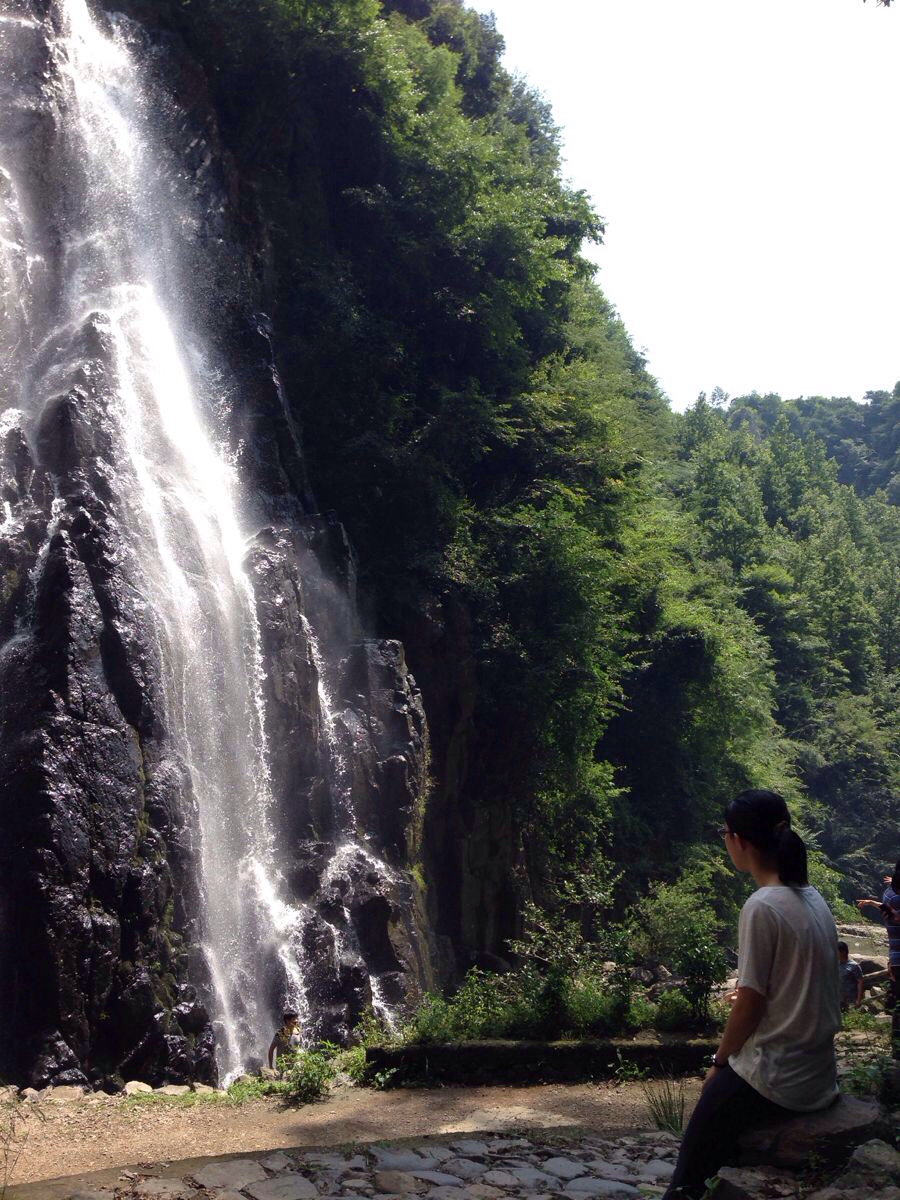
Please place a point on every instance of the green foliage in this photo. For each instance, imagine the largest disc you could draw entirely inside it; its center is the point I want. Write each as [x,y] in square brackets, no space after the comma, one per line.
[857,1020]
[307,1075]
[869,1076]
[251,1087]
[676,925]
[647,611]
[665,1104]
[627,1071]
[674,1012]
[353,1064]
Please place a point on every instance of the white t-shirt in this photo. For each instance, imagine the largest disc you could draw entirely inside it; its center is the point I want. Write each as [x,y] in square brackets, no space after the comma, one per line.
[787,951]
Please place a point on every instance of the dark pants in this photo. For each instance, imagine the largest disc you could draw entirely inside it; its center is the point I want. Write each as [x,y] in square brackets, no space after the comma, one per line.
[727,1106]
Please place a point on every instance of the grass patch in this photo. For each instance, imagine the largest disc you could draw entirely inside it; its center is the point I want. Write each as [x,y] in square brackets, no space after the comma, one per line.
[665,1104]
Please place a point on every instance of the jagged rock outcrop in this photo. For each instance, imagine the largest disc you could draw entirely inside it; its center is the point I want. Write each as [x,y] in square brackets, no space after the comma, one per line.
[104,965]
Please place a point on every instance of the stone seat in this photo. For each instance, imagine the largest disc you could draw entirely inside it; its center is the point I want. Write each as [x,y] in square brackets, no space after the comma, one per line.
[817,1138]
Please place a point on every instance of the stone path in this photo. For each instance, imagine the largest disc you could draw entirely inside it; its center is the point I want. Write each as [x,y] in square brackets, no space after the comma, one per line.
[467,1168]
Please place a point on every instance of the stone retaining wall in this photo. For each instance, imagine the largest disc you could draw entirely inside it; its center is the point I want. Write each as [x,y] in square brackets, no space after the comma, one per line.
[533,1062]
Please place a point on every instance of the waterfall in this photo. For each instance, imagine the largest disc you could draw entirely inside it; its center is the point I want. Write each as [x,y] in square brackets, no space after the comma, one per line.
[102,256]
[133,489]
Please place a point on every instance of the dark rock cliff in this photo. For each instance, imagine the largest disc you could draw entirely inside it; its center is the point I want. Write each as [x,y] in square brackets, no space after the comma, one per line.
[103,976]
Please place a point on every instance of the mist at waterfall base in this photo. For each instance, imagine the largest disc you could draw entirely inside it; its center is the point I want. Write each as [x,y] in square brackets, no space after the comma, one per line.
[108,301]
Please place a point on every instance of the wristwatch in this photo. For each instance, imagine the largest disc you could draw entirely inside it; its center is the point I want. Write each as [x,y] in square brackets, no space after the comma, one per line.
[715,1062]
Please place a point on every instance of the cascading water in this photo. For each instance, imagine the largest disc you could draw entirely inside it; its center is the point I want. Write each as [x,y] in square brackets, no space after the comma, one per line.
[350,851]
[101,260]
[156,629]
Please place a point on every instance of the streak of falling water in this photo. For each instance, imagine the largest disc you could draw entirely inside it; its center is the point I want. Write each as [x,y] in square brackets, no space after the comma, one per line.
[352,847]
[116,265]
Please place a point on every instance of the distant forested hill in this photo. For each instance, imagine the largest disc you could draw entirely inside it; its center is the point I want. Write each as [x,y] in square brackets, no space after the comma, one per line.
[863,439]
[618,616]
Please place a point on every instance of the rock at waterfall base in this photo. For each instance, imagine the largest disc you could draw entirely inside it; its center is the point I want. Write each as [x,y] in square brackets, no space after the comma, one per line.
[233,1173]
[162,1189]
[746,1183]
[819,1136]
[399,1182]
[283,1187]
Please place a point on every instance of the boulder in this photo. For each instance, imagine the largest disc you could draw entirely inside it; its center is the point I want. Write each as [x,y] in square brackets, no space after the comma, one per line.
[236,1173]
[854,1193]
[823,1136]
[283,1187]
[872,1163]
[749,1183]
[72,1094]
[134,1087]
[872,964]
[162,1189]
[400,1183]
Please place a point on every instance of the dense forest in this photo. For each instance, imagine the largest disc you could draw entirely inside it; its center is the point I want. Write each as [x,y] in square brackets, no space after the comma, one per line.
[662,608]
[373,629]
[629,613]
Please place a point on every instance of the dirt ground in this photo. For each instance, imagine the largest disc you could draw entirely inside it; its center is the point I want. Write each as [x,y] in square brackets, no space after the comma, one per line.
[74,1138]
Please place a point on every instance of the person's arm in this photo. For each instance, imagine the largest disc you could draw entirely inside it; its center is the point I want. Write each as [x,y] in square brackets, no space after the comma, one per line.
[746,1014]
[872,903]
[270,1058]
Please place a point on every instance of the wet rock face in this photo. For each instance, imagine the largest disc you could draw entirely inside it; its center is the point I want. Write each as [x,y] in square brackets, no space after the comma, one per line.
[96,866]
[102,976]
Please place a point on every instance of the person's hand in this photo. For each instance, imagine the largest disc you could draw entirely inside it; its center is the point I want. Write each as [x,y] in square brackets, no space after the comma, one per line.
[710,1074]
[888,878]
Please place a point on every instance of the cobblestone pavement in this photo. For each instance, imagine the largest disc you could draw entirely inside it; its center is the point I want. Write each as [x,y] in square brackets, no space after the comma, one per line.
[467,1168]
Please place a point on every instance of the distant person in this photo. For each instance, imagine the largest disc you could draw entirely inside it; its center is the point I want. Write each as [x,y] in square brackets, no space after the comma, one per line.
[889,907]
[286,1039]
[776,1056]
[852,984]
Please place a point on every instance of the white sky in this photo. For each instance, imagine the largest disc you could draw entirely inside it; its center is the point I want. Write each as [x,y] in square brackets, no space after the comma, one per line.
[744,154]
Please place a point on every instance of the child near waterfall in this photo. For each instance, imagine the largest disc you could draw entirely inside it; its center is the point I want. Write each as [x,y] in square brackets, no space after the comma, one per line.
[286,1039]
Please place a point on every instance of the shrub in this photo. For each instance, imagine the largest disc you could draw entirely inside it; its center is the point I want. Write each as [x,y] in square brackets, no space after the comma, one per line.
[673,1011]
[250,1088]
[353,1063]
[430,1022]
[307,1076]
[676,925]
[702,965]
[593,1009]
[642,1013]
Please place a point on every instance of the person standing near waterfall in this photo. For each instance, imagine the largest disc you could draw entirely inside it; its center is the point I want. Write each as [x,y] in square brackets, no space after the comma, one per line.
[776,1056]
[286,1039]
[889,907]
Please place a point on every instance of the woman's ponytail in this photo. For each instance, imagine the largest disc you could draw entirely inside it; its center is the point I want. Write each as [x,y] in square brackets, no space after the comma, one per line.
[790,858]
[761,817]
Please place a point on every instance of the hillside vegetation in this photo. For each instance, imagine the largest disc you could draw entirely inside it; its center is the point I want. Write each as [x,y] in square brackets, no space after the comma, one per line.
[659,609]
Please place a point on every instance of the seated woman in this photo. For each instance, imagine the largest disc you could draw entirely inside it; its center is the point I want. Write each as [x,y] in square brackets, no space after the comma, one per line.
[776,1056]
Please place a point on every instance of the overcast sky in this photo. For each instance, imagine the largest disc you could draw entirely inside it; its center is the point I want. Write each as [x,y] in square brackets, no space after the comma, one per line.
[744,156]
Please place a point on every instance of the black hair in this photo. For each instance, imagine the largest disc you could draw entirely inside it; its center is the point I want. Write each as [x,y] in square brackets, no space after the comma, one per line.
[761,817]
[895,878]
[843,946]
[289,1016]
